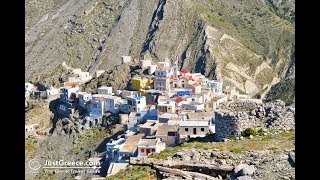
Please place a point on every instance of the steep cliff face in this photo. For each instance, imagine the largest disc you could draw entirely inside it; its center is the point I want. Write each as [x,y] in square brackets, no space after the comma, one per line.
[248,44]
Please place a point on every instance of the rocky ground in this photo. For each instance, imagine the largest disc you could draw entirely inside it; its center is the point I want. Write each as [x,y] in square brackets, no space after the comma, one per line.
[267,164]
[69,141]
[269,156]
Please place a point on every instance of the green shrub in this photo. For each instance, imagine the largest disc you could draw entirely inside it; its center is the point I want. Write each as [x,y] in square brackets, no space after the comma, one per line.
[260,132]
[249,131]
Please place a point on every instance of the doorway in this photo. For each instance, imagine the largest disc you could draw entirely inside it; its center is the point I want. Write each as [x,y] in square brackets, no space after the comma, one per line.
[194,130]
[148,151]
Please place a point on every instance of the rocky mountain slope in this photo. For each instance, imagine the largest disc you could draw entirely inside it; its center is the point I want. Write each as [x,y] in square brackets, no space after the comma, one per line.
[249,44]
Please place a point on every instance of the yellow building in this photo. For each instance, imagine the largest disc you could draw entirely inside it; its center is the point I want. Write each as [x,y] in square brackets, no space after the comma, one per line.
[141,83]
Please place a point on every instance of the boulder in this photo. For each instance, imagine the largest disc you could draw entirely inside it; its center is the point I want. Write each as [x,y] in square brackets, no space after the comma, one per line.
[221,161]
[244,169]
[292,158]
[248,170]
[195,156]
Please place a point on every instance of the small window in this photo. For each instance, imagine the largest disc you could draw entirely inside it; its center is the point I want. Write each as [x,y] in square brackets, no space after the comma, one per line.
[186,129]
[171,133]
[142,150]
[202,129]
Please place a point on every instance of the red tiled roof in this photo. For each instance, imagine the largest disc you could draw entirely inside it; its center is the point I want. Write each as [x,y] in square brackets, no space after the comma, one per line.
[179,100]
[195,84]
[186,78]
[184,70]
[71,83]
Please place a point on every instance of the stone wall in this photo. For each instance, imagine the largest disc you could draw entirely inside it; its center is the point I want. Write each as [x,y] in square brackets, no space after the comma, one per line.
[233,118]
[228,124]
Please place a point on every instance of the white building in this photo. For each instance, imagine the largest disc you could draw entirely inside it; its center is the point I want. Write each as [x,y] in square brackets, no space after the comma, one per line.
[31,128]
[216,85]
[194,106]
[196,87]
[167,106]
[125,59]
[105,90]
[145,63]
[68,92]
[28,87]
[136,103]
[161,83]
[148,146]
[124,106]
[98,106]
[52,91]
[84,98]
[163,72]
[126,93]
[164,64]
[193,129]
[84,76]
[152,69]
[113,104]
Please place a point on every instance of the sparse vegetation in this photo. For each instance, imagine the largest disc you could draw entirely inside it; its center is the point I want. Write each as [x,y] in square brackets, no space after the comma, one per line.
[284,140]
[31,147]
[135,173]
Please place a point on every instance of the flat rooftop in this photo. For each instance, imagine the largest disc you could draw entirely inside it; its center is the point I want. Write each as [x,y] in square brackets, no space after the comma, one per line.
[151,125]
[164,129]
[168,115]
[147,142]
[193,123]
[105,87]
[131,143]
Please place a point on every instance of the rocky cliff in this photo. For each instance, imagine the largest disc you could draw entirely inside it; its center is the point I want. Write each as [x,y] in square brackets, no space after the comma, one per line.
[249,44]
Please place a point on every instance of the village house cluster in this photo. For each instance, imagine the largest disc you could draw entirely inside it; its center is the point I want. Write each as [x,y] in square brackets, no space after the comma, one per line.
[163,108]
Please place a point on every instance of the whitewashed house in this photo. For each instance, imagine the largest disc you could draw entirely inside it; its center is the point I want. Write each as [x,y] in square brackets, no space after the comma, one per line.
[194,106]
[167,106]
[98,106]
[52,91]
[84,76]
[84,98]
[136,103]
[113,104]
[145,63]
[148,146]
[216,86]
[193,129]
[196,87]
[161,83]
[163,64]
[105,90]
[124,108]
[163,72]
[125,59]
[29,87]
[68,92]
